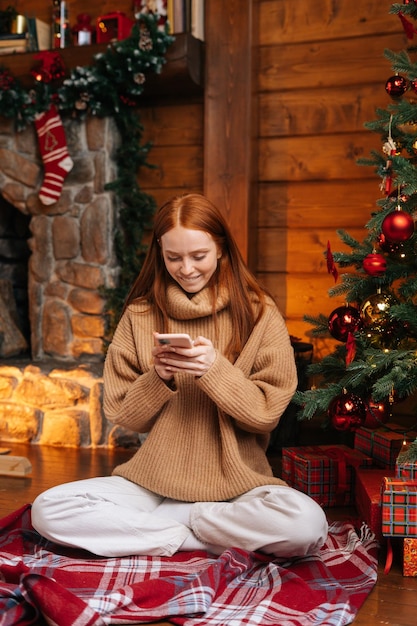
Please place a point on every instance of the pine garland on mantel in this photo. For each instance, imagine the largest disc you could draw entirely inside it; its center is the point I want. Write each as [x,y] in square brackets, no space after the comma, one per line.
[110,87]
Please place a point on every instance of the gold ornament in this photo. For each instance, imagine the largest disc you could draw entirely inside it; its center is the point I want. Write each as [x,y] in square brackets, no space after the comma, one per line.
[374,310]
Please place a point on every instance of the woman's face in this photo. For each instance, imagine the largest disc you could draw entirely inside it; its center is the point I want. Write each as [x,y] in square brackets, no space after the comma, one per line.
[190,257]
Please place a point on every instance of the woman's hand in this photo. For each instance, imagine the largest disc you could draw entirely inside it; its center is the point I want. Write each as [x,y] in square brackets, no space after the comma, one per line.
[196,361]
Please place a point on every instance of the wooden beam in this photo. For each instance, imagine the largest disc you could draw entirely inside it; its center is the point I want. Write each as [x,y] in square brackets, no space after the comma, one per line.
[230,115]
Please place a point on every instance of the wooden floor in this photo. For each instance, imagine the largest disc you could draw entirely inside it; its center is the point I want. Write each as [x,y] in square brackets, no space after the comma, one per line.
[393,601]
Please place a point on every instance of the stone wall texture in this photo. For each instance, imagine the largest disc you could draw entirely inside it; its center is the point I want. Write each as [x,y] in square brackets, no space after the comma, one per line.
[71,257]
[72,240]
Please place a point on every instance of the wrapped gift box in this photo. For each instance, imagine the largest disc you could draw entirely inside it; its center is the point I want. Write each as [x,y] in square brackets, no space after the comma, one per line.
[325,473]
[410,557]
[408,470]
[368,498]
[399,507]
[383,444]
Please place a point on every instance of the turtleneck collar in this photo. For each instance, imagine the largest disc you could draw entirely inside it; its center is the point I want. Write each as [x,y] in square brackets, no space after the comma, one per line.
[181,306]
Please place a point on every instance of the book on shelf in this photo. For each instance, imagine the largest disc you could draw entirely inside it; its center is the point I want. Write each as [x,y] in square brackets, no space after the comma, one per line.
[184,16]
[10,44]
[39,34]
[197,19]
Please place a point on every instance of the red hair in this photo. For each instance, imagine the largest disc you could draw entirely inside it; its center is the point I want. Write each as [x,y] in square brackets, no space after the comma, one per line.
[196,212]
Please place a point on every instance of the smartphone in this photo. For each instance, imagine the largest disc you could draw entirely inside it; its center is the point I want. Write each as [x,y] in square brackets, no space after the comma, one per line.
[180,340]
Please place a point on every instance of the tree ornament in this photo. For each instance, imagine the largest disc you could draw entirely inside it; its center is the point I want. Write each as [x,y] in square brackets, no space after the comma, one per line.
[344,320]
[398,226]
[347,411]
[396,86]
[375,264]
[390,149]
[374,310]
[377,413]
[389,246]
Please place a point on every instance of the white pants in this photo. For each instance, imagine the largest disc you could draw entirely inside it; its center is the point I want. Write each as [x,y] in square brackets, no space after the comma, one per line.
[111,516]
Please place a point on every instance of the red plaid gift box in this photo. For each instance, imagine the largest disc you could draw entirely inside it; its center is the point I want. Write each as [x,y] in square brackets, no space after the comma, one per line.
[368,498]
[383,444]
[410,557]
[325,473]
[399,507]
[408,470]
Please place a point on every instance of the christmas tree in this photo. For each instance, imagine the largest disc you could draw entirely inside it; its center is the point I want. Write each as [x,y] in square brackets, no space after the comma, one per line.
[374,363]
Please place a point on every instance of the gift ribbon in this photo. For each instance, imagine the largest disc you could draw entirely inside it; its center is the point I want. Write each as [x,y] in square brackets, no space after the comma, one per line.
[341,458]
[389,558]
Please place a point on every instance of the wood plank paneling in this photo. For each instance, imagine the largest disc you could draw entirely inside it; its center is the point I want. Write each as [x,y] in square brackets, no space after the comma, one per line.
[173,125]
[319,157]
[324,111]
[305,204]
[322,73]
[174,168]
[298,250]
[339,63]
[282,22]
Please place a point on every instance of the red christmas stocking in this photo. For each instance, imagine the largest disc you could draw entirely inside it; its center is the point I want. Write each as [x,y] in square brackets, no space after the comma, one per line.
[56,159]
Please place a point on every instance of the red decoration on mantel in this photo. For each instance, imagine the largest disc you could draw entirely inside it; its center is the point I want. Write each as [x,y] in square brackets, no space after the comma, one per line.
[50,68]
[6,80]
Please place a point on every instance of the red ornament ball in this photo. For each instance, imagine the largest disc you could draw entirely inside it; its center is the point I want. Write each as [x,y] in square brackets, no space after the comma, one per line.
[396,86]
[344,320]
[398,226]
[377,413]
[347,412]
[375,264]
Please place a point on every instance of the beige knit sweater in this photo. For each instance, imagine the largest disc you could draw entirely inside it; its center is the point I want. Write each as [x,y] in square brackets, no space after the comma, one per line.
[207,439]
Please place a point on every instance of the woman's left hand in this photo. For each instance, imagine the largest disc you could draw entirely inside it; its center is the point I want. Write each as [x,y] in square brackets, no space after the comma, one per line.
[195,361]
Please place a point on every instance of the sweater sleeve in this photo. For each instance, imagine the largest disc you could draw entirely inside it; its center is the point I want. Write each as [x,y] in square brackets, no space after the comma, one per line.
[133,392]
[256,399]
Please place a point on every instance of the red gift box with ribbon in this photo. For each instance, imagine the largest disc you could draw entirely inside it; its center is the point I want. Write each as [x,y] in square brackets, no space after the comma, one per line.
[325,473]
[382,444]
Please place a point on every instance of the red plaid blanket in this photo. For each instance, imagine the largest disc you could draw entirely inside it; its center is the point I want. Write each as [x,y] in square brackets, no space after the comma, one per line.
[42,583]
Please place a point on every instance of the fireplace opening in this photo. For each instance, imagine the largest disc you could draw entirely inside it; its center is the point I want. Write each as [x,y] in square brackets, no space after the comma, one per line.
[14,258]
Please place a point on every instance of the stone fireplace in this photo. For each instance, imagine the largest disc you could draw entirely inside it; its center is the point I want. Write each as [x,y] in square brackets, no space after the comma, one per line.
[51,339]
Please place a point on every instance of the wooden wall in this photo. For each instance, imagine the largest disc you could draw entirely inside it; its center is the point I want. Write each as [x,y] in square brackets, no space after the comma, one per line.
[321,74]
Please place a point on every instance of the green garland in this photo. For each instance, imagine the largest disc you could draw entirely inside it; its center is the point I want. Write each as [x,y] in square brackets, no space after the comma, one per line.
[110,87]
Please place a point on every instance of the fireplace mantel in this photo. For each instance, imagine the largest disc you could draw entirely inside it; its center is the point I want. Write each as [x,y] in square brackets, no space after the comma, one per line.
[183,71]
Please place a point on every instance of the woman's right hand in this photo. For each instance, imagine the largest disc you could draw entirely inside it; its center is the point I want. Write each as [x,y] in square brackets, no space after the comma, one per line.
[162,369]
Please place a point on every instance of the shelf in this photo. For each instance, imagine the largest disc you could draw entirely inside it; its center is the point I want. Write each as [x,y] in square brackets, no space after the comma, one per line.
[182,74]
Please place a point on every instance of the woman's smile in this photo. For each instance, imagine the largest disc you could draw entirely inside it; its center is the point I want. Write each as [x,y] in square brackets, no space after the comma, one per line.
[190,257]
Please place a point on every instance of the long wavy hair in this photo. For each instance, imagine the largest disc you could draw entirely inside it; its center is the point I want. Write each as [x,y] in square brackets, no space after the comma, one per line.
[196,212]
